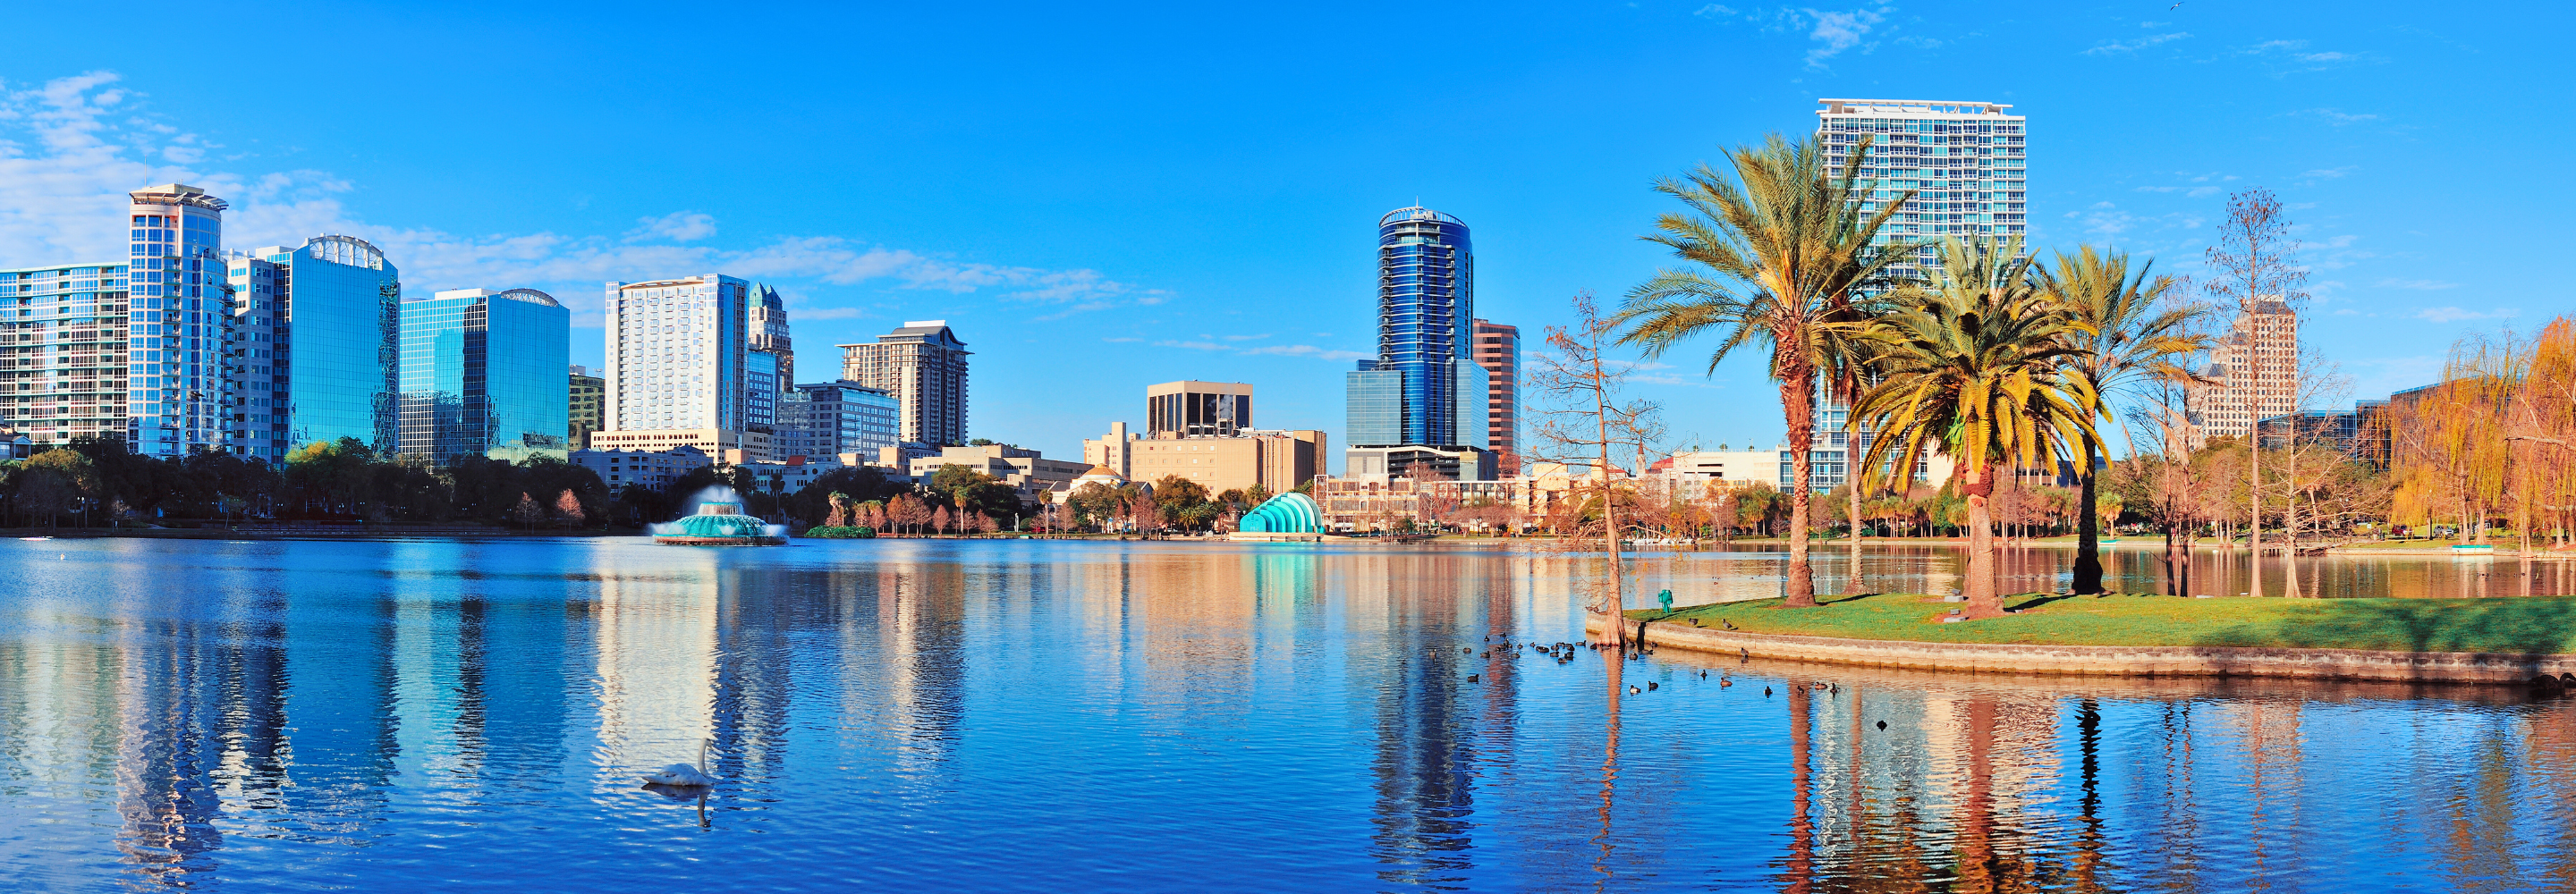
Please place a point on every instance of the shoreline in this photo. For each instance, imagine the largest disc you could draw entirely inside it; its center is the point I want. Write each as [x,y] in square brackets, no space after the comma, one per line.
[2109,661]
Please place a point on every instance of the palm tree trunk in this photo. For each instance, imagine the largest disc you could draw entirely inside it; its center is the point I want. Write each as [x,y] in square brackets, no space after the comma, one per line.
[1980,589]
[2088,526]
[1851,479]
[1798,406]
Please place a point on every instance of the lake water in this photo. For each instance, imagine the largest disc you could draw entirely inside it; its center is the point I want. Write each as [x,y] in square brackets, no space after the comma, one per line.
[1024,716]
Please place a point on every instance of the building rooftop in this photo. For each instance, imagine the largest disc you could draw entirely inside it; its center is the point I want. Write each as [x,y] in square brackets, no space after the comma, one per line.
[1925,107]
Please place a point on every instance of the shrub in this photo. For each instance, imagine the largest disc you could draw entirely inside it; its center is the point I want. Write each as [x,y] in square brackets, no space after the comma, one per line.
[843,532]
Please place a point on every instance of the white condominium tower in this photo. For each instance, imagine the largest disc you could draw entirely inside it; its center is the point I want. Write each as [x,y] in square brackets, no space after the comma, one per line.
[676,355]
[924,366]
[180,328]
[1963,159]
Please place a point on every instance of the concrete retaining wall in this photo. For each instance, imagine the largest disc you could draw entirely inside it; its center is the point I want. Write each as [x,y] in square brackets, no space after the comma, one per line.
[2133,661]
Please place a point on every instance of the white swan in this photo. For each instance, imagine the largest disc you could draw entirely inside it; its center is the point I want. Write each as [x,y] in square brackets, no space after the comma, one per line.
[684,775]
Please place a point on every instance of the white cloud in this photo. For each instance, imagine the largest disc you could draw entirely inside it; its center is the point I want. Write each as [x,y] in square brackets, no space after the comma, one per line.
[677,226]
[1834,31]
[1838,31]
[67,163]
[2429,285]
[2336,117]
[2454,314]
[2120,47]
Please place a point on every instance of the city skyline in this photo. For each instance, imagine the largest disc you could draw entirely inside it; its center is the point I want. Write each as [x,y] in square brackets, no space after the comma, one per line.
[2338,110]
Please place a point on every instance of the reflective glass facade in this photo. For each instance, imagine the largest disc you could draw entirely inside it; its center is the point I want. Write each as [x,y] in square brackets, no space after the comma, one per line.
[1426,312]
[482,373]
[827,418]
[321,325]
[760,391]
[1376,406]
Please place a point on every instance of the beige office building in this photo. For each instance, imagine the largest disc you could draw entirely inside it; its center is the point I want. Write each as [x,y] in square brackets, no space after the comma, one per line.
[726,446]
[1278,461]
[1193,409]
[924,366]
[2245,392]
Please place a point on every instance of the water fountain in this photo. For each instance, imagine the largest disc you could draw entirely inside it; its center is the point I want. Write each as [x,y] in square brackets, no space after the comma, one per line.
[719,521]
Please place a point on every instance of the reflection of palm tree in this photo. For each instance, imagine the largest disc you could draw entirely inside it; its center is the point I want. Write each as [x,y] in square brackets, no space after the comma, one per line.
[1800,874]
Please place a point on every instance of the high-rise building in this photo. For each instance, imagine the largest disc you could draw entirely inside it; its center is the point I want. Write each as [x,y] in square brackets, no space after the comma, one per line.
[678,364]
[1964,159]
[179,331]
[1426,308]
[478,375]
[831,418]
[1498,350]
[63,365]
[320,332]
[1190,407]
[768,332]
[923,365]
[2253,373]
[584,417]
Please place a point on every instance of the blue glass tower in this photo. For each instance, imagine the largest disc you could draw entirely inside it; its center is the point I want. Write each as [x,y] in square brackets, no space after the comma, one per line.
[1426,309]
[320,325]
[482,373]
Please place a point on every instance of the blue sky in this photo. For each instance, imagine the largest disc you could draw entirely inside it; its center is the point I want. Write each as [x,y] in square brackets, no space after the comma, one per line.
[1100,199]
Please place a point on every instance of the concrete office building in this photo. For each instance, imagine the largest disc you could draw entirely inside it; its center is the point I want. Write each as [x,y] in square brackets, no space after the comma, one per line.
[1189,408]
[1965,160]
[63,353]
[478,372]
[583,408]
[1498,350]
[678,366]
[1424,387]
[2241,391]
[1278,461]
[319,326]
[178,392]
[653,469]
[923,365]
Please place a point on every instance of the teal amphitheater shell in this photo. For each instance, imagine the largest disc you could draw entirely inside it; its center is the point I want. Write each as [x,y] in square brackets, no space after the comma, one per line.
[713,524]
[1284,514]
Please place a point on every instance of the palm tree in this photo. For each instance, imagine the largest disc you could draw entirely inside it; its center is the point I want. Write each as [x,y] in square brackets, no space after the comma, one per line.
[1784,260]
[2132,336]
[1973,366]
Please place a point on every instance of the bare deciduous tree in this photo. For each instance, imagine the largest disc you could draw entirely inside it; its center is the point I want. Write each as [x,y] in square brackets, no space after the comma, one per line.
[1583,423]
[2255,262]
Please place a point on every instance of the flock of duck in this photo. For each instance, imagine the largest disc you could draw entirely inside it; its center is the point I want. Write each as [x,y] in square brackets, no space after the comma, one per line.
[1563,653]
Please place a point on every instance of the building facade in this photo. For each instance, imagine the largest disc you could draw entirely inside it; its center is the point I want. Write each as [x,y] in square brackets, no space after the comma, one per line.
[1426,268]
[320,331]
[651,469]
[63,352]
[1276,461]
[678,362]
[1193,408]
[583,407]
[923,365]
[768,332]
[478,375]
[1498,350]
[2253,374]
[178,391]
[824,419]
[1965,160]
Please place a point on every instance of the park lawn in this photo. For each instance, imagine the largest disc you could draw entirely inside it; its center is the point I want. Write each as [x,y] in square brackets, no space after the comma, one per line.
[2534,625]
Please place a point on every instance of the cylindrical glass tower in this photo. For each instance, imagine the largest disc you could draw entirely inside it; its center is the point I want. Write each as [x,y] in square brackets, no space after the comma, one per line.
[1426,307]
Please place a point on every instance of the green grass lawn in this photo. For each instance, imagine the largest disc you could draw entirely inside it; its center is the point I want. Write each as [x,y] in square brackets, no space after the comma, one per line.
[2544,625]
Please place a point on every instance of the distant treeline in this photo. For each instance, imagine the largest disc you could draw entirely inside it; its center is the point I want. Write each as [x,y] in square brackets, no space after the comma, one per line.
[100,483]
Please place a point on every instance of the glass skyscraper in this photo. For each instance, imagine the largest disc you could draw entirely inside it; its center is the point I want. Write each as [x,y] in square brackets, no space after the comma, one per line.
[320,327]
[1965,159]
[482,373]
[1426,311]
[180,326]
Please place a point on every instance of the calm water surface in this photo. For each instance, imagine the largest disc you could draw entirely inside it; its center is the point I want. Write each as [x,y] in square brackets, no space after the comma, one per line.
[1017,716]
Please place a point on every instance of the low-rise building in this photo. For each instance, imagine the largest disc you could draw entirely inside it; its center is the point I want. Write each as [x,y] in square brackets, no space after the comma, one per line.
[1021,468]
[1460,463]
[654,469]
[725,446]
